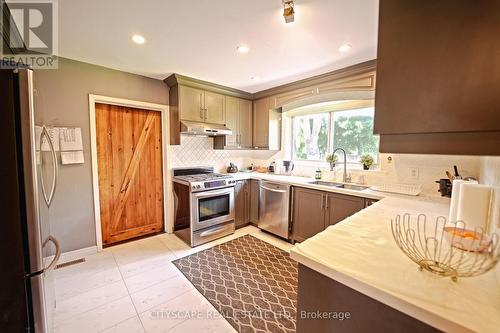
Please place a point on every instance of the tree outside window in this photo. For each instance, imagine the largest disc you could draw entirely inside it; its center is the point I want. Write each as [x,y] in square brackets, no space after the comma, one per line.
[317,134]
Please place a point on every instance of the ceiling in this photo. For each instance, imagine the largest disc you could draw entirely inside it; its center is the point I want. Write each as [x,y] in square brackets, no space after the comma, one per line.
[198,38]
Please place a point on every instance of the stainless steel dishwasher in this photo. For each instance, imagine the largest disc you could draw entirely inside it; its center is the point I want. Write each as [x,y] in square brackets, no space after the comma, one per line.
[274,205]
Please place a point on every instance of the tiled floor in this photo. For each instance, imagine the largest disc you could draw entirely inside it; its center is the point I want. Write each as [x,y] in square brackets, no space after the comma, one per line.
[134,287]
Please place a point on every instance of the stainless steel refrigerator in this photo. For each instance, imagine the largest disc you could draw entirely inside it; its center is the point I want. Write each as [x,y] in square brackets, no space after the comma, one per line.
[28,180]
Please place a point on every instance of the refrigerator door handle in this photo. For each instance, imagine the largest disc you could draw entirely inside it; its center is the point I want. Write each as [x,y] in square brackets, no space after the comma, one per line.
[54,261]
[48,198]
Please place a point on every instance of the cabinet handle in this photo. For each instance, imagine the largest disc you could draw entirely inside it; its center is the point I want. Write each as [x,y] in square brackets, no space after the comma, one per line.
[322,201]
[201,108]
[326,201]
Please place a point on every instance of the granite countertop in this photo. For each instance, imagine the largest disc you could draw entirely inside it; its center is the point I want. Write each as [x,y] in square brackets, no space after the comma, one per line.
[360,253]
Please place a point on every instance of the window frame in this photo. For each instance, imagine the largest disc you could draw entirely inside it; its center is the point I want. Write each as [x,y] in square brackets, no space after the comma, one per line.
[330,138]
[331,127]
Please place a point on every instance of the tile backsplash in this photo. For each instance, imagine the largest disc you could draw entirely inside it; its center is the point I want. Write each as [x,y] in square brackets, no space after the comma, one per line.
[198,151]
[490,175]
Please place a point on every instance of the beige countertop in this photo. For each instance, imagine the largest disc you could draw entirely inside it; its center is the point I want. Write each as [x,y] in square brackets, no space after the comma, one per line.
[305,182]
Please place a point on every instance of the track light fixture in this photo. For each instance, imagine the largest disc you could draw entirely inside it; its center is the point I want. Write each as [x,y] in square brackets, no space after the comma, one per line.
[288,10]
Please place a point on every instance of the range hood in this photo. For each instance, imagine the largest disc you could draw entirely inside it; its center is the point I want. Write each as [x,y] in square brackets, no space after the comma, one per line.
[197,128]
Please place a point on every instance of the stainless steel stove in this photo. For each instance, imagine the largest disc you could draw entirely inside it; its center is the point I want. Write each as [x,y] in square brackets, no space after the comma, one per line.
[207,181]
[204,204]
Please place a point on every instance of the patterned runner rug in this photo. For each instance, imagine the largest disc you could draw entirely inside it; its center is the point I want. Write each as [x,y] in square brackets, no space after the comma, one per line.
[253,284]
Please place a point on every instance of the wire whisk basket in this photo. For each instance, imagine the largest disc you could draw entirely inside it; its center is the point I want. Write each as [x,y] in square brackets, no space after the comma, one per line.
[445,248]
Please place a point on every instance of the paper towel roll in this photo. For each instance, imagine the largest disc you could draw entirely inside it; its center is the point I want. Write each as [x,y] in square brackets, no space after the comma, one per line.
[455,195]
[474,205]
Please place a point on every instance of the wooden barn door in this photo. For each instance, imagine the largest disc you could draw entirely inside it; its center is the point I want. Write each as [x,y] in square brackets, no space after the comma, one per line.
[129,152]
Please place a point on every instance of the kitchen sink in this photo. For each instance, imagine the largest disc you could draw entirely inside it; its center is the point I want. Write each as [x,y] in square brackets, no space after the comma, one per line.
[339,185]
[353,187]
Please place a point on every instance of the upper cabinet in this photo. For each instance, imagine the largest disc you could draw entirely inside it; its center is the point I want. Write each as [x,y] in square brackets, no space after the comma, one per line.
[214,108]
[266,125]
[245,123]
[238,115]
[200,105]
[438,77]
[191,101]
[201,101]
[261,123]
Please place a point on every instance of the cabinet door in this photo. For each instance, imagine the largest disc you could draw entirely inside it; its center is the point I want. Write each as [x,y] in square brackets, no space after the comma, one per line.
[191,104]
[245,123]
[246,189]
[308,213]
[239,203]
[254,201]
[232,120]
[214,108]
[446,81]
[261,123]
[339,207]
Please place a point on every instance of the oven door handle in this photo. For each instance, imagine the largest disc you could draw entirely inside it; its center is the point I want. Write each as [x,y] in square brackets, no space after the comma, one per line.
[213,193]
[213,231]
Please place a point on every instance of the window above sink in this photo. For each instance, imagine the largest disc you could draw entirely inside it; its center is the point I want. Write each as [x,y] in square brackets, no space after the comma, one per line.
[317,129]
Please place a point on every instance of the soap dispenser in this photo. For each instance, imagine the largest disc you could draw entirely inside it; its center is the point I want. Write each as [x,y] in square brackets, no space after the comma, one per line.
[317,174]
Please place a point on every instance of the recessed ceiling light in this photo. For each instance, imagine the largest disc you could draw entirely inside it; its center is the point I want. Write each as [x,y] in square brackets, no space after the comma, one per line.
[138,39]
[345,47]
[255,78]
[243,48]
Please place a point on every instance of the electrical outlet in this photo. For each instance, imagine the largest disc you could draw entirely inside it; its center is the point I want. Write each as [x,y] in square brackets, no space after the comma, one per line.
[413,173]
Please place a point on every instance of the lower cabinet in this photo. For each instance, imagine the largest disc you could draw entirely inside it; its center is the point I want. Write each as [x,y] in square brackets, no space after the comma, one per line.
[313,211]
[339,207]
[308,214]
[254,201]
[241,203]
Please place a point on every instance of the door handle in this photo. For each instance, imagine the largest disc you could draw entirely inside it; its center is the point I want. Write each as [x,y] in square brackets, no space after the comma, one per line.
[48,198]
[213,231]
[213,193]
[56,256]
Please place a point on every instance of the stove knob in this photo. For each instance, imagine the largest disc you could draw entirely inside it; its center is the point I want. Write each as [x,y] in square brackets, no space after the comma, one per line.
[198,186]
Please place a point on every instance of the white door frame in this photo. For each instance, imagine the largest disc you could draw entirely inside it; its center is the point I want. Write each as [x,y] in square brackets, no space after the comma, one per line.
[164,109]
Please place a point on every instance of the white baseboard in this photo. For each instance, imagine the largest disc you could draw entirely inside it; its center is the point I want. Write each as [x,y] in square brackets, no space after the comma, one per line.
[77,254]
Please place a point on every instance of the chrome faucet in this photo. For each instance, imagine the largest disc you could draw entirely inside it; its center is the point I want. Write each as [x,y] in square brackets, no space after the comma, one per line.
[346,179]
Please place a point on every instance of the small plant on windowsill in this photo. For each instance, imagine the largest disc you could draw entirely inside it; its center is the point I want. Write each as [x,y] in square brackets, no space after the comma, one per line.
[367,161]
[331,159]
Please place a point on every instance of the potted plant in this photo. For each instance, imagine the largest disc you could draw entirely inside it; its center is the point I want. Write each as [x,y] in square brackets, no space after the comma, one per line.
[367,161]
[331,159]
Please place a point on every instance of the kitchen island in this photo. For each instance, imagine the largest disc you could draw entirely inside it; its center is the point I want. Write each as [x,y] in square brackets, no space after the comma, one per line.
[359,256]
